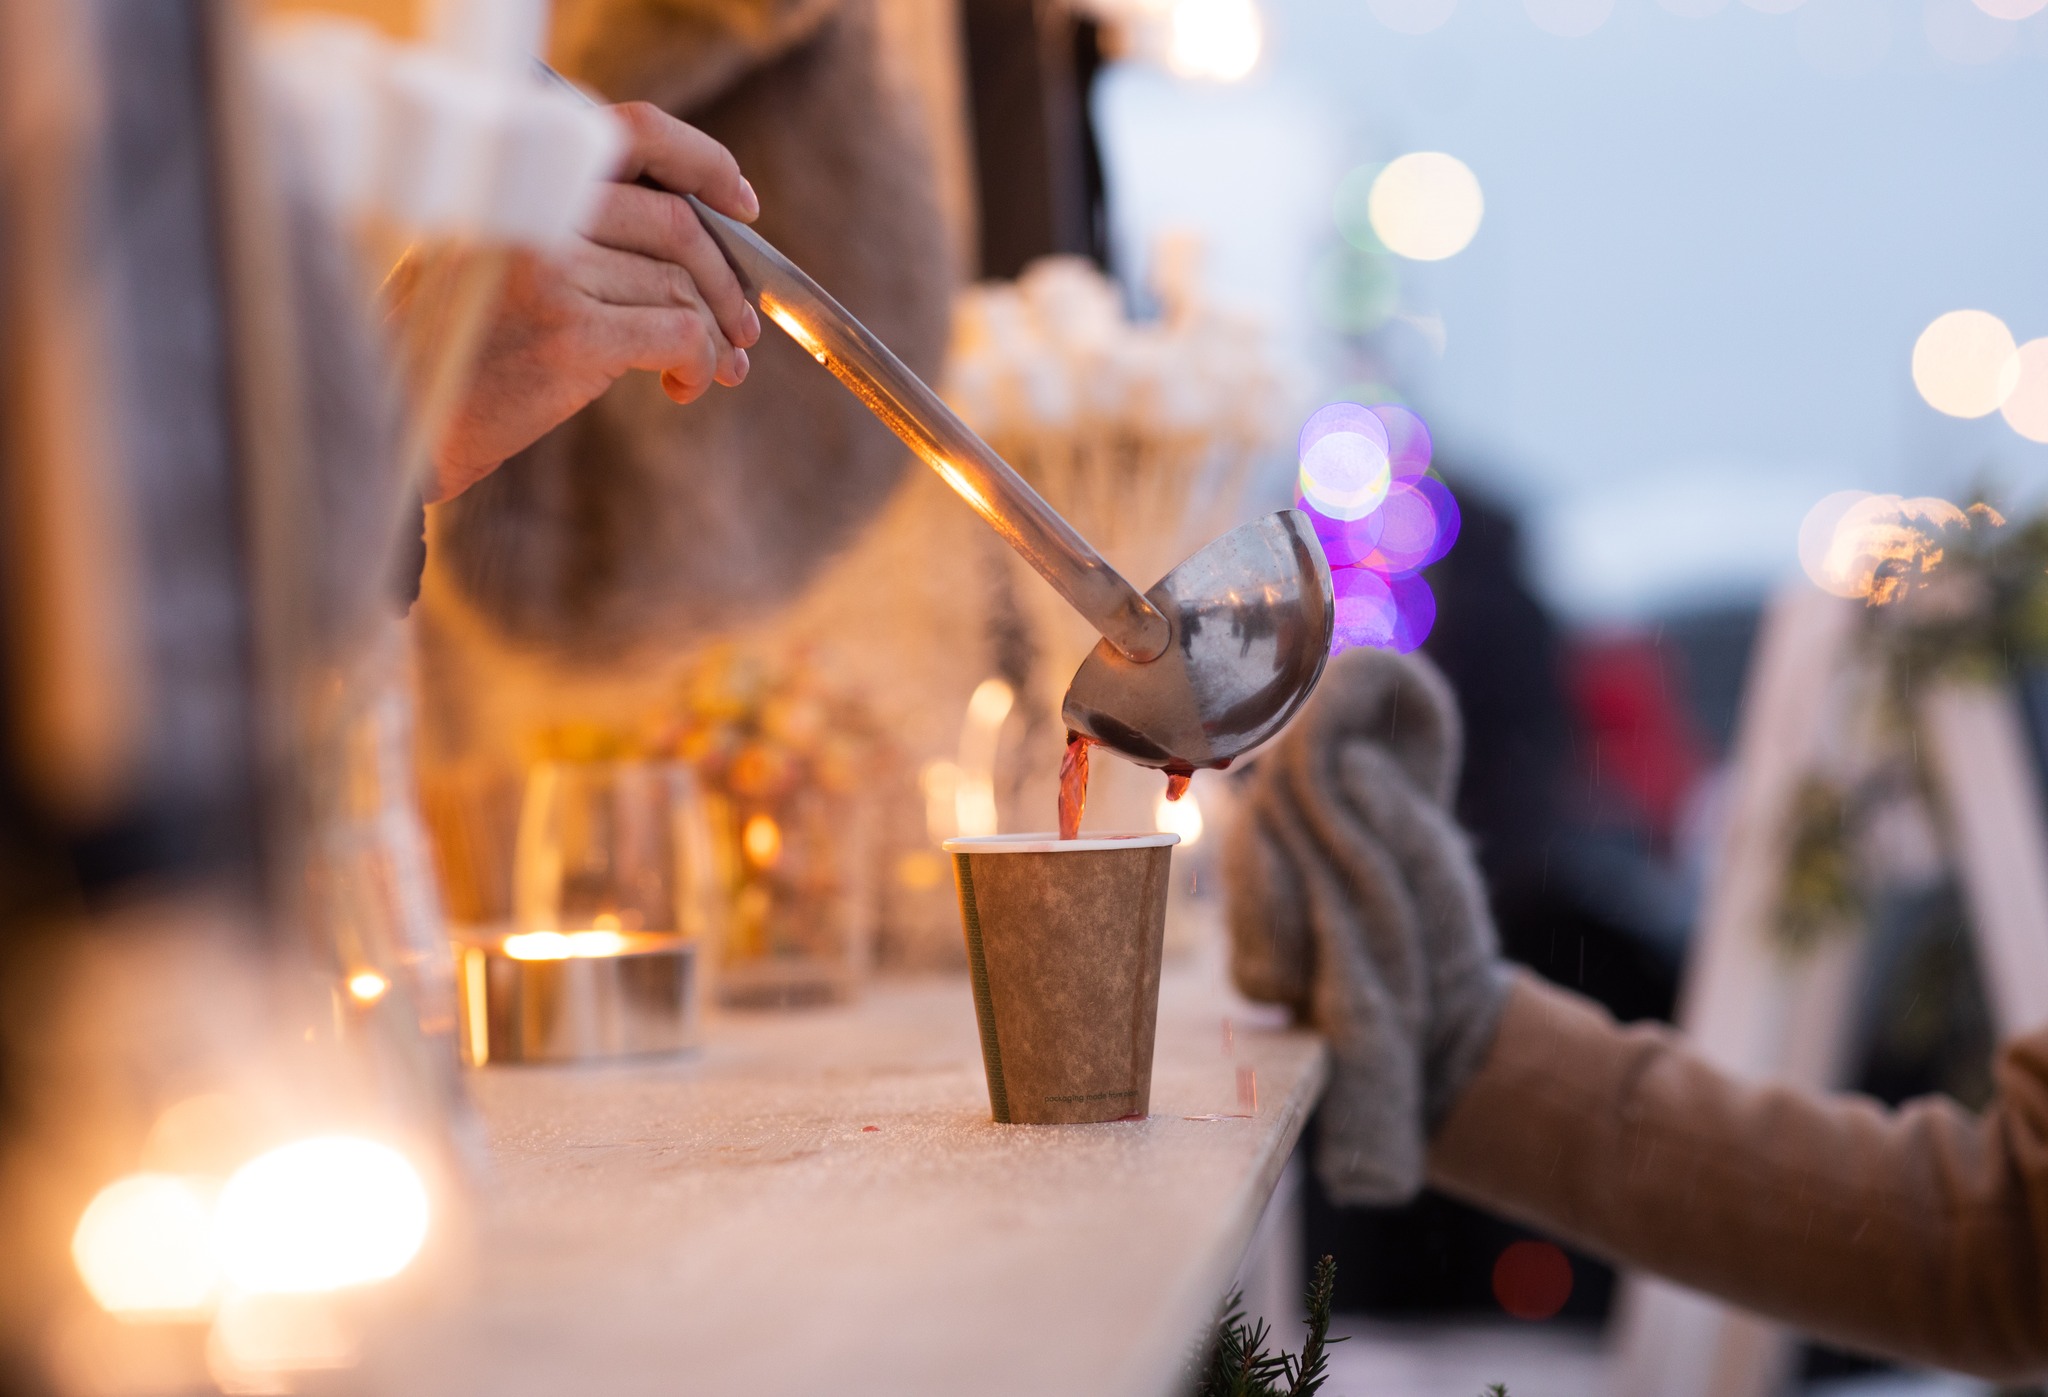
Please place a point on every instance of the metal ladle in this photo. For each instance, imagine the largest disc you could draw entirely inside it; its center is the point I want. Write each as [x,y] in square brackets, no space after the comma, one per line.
[1201,669]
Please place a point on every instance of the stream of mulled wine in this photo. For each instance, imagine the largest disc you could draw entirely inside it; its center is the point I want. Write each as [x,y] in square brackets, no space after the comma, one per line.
[1074,784]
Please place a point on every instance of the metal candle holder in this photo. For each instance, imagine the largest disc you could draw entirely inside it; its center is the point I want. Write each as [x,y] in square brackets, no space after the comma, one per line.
[570,997]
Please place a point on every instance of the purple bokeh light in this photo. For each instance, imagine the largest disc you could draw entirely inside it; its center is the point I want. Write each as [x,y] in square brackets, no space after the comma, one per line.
[1376,554]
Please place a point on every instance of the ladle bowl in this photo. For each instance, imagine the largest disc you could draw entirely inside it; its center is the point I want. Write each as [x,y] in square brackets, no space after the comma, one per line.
[1252,615]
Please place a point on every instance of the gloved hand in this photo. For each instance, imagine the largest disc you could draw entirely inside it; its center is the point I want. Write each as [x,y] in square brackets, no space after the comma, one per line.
[1354,900]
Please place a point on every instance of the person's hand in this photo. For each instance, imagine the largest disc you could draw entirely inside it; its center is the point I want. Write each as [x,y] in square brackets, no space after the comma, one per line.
[644,287]
[1355,901]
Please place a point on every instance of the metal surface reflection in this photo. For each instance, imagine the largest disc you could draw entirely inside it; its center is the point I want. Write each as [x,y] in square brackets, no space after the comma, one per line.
[1252,615]
[573,1007]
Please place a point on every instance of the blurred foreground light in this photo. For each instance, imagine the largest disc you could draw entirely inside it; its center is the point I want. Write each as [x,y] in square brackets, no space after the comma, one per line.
[1965,363]
[258,1341]
[1426,206]
[320,1215]
[2011,9]
[142,1248]
[1182,817]
[1217,39]
[2026,407]
[367,986]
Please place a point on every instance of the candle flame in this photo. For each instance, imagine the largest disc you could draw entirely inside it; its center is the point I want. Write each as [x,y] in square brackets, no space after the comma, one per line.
[574,945]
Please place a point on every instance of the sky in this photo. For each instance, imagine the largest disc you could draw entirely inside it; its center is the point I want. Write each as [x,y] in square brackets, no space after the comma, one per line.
[1708,246]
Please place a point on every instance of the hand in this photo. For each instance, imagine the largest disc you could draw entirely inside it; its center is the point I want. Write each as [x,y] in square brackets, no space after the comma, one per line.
[643,287]
[1354,900]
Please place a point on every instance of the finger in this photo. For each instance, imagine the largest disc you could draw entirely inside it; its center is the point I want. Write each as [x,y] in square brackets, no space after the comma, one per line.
[653,224]
[679,157]
[669,341]
[627,280]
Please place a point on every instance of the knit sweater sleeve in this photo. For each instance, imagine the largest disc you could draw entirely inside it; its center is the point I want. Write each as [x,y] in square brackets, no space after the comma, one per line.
[1920,1234]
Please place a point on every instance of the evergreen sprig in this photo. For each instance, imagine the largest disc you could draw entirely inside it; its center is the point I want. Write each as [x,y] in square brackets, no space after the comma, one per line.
[1239,1365]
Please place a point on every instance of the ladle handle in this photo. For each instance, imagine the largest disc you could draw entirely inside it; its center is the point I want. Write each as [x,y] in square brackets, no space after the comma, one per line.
[915,413]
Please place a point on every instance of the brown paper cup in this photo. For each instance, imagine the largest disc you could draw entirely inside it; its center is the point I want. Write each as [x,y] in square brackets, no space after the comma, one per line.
[1063,940]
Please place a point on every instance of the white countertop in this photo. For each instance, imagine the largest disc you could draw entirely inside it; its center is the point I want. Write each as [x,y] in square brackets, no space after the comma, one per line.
[817,1202]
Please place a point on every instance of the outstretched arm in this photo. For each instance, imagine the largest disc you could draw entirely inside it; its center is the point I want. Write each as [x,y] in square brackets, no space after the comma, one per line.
[1921,1233]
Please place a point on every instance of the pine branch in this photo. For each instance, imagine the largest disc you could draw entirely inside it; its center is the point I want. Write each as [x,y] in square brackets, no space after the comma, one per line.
[1239,1365]
[1313,1371]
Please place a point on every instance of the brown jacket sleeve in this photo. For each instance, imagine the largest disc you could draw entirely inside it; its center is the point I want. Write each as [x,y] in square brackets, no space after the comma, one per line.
[1921,1233]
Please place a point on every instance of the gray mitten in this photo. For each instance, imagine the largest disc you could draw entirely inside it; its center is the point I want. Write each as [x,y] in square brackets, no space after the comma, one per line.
[1354,901]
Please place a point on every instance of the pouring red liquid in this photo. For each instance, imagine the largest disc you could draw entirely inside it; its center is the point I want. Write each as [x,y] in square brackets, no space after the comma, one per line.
[1074,784]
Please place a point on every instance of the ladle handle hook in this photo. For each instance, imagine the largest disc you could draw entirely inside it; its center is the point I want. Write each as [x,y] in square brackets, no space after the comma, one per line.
[916,414]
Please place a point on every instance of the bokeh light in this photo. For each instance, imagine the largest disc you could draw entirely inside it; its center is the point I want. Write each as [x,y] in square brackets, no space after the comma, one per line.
[1182,817]
[367,986]
[1568,19]
[1449,519]
[1817,539]
[1531,1279]
[1426,206]
[761,840]
[2026,407]
[1217,39]
[1367,614]
[1414,611]
[1344,467]
[1876,548]
[1375,558]
[319,1215]
[142,1248]
[1346,542]
[1965,363]
[2011,9]
[1408,534]
[1408,442]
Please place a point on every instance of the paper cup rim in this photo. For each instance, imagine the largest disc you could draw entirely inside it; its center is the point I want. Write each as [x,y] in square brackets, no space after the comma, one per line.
[1053,844]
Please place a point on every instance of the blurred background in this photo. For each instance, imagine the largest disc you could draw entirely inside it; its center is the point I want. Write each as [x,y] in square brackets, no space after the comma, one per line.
[1705,239]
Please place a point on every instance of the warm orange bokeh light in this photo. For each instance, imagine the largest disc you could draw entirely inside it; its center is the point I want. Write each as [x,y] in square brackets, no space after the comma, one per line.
[761,838]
